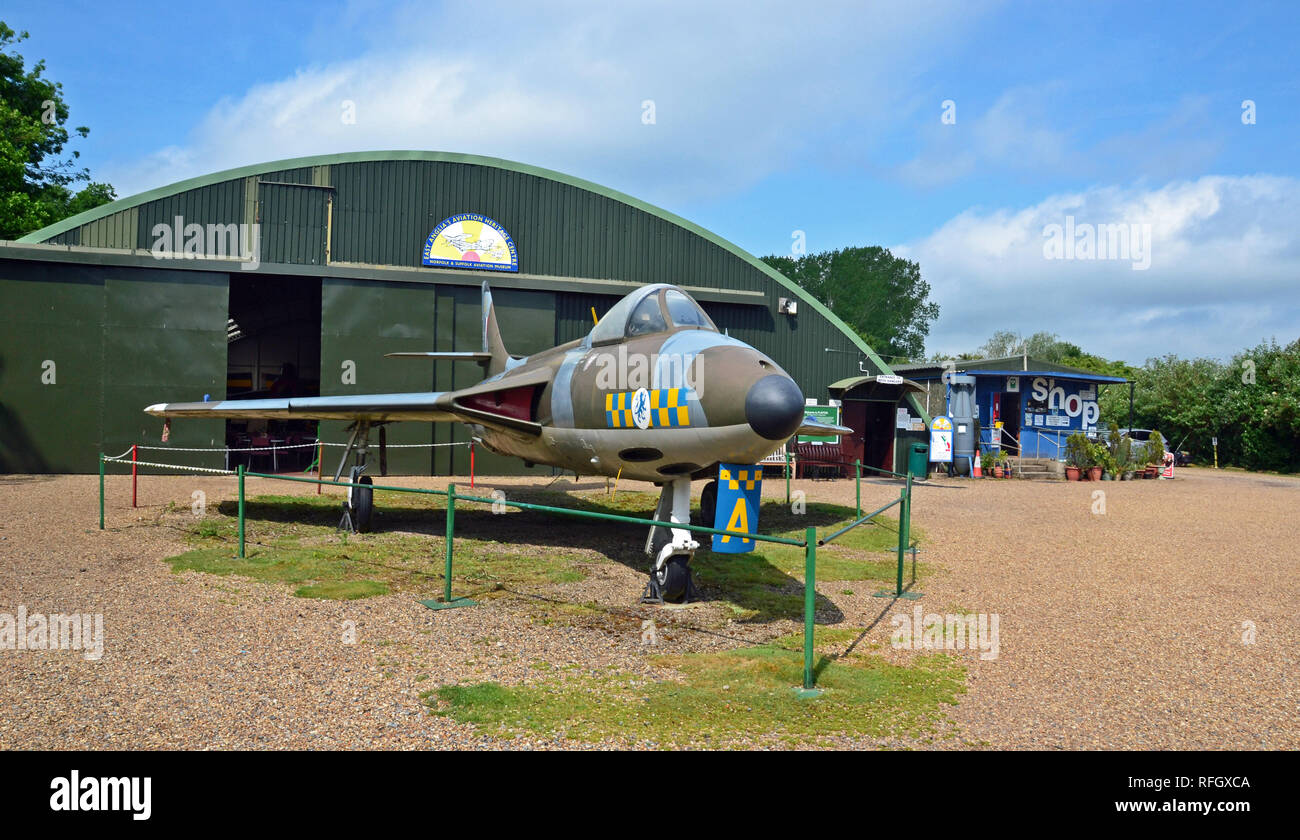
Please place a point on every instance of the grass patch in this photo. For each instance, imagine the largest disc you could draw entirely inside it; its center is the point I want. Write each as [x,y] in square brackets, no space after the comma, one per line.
[723,699]
[294,540]
[343,590]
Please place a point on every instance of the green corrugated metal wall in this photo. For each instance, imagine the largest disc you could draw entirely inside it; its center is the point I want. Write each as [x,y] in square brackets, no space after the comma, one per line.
[119,341]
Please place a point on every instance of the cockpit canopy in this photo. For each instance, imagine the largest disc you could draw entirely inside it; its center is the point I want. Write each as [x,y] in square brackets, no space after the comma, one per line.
[648,310]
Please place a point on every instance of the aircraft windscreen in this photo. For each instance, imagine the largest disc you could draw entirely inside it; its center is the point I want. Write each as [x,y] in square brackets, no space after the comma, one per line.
[686,312]
[646,318]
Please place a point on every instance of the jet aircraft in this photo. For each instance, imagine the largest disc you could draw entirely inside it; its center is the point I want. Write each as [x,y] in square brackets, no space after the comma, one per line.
[654,392]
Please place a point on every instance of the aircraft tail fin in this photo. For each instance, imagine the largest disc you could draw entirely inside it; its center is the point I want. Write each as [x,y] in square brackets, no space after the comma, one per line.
[493,346]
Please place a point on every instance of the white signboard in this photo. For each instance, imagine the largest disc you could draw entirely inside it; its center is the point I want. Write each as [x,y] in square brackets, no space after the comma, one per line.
[941,440]
[889,379]
[904,419]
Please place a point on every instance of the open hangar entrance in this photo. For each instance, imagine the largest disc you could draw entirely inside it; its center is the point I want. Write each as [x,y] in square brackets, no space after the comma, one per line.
[273,342]
[875,408]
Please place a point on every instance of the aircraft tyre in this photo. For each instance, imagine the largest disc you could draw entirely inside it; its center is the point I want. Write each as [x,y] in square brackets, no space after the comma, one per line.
[674,578]
[363,504]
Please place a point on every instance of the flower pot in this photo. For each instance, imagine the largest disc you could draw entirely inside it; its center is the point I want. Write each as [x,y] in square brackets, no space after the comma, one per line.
[1071,473]
[1149,471]
[1128,475]
[997,472]
[1094,473]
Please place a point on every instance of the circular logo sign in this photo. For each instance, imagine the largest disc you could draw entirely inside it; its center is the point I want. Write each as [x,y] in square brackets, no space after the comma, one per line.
[471,240]
[641,408]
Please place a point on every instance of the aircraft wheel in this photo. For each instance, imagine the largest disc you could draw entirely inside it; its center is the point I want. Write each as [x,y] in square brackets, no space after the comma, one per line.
[674,579]
[363,504]
[709,503]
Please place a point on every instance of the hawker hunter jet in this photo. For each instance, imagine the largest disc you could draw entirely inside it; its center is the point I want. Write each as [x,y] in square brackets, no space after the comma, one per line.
[654,392]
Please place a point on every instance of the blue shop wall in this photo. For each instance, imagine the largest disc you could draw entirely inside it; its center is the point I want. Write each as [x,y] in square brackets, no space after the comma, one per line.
[1049,410]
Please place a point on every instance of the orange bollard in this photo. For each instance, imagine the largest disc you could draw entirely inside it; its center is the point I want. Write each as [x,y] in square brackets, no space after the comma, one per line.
[471,465]
[133,476]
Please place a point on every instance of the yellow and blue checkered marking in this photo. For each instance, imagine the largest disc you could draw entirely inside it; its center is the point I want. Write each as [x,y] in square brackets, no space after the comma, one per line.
[668,409]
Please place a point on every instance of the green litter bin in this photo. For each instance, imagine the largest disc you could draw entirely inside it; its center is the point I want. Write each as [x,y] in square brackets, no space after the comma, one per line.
[918,460]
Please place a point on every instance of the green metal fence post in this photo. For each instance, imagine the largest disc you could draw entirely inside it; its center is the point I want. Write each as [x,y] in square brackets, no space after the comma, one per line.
[451,529]
[447,601]
[809,602]
[904,542]
[902,538]
[240,470]
[101,491]
[857,470]
[904,529]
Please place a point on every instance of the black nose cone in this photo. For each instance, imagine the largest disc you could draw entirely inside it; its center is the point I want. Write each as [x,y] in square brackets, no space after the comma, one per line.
[774,407]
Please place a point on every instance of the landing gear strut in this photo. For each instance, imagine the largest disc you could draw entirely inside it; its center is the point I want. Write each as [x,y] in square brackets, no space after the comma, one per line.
[672,548]
[359,503]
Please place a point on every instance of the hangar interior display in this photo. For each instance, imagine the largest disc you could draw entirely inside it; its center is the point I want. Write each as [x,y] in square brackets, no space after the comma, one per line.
[356,255]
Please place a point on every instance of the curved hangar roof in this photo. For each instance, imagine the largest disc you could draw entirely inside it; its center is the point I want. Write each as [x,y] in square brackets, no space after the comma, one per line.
[368,215]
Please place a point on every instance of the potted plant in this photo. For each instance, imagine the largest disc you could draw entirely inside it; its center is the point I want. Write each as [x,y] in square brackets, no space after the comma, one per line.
[1004,462]
[1076,455]
[1124,460]
[986,462]
[1153,454]
[1097,454]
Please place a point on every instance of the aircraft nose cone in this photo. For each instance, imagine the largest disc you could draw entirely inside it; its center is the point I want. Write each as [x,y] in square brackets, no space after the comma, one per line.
[774,407]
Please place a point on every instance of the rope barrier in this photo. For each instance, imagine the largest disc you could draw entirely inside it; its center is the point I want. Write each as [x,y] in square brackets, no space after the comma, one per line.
[290,446]
[185,467]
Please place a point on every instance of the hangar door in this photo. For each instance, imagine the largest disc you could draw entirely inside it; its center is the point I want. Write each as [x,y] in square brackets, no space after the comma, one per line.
[83,349]
[164,341]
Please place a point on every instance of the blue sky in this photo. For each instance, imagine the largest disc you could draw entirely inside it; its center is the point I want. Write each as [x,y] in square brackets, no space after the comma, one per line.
[773,118]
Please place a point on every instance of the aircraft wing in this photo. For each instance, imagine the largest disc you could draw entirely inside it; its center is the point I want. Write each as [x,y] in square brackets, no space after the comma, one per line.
[506,402]
[376,408]
[813,426]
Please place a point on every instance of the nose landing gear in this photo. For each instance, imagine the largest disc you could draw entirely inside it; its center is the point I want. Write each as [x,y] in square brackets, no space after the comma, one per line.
[672,548]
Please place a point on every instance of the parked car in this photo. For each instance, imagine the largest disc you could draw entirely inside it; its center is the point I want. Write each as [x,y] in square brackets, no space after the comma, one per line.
[1140,438]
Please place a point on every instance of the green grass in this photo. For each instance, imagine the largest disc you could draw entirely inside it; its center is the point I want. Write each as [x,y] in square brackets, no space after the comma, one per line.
[294,540]
[723,699]
[343,590]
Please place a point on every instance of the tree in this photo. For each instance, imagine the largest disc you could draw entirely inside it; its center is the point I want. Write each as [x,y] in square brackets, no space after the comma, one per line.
[1041,345]
[880,296]
[35,178]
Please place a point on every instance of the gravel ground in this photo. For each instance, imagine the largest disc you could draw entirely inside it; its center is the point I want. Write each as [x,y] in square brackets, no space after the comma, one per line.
[1117,630]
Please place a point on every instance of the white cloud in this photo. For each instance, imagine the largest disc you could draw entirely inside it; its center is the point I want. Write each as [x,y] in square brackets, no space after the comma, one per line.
[1036,130]
[1224,270]
[740,91]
